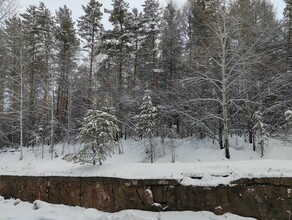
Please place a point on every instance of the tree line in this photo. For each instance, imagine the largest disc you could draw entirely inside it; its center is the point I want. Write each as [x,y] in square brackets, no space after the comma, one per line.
[213,68]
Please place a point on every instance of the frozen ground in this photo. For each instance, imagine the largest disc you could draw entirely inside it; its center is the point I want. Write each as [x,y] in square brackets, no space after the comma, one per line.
[17,210]
[194,158]
[200,158]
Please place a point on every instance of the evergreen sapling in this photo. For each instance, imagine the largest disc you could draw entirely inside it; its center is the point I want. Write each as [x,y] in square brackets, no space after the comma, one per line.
[145,121]
[97,134]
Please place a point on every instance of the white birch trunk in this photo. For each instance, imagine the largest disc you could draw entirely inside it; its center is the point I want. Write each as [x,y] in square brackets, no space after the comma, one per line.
[224,87]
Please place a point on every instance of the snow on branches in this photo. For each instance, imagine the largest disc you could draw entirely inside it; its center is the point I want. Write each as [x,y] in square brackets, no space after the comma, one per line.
[145,121]
[288,116]
[260,131]
[97,134]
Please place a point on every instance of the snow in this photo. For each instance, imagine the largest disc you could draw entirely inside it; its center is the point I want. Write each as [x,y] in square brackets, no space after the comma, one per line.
[18,210]
[198,162]
[288,115]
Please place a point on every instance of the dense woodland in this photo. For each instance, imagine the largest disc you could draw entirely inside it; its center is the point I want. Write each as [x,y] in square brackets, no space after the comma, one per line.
[211,68]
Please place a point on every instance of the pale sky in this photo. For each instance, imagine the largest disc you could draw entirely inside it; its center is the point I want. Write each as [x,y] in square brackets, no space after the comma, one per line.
[75,5]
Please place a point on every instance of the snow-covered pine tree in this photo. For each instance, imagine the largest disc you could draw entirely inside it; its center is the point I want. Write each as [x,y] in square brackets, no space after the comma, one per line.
[66,46]
[260,132]
[15,76]
[117,40]
[145,121]
[91,30]
[152,22]
[97,134]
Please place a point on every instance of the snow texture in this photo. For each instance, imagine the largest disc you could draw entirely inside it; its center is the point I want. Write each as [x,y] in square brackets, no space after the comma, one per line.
[18,210]
[194,158]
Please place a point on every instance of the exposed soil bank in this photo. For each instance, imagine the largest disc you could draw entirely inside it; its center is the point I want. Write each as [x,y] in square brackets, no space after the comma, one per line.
[263,198]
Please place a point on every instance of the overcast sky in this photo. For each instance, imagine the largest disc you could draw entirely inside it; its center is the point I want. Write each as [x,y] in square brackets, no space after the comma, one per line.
[75,5]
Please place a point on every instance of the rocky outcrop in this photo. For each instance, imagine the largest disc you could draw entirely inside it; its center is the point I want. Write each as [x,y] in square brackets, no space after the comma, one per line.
[263,198]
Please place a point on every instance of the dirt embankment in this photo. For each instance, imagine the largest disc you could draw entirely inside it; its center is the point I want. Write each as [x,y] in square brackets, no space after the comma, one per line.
[263,198]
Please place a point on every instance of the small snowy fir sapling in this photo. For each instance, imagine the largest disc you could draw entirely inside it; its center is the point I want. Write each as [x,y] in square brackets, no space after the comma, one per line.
[97,134]
[145,121]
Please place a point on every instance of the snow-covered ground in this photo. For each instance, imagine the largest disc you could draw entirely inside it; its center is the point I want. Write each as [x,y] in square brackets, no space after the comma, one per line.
[17,210]
[194,158]
[200,158]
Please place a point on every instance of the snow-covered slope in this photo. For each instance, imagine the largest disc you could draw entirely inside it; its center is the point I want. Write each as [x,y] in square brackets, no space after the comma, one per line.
[18,210]
[194,158]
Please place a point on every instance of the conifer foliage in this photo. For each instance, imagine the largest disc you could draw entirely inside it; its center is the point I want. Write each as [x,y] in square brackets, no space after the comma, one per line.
[146,118]
[145,121]
[215,68]
[97,134]
[91,30]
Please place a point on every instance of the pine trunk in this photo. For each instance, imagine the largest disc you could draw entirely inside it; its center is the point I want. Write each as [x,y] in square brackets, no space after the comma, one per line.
[91,68]
[21,105]
[154,74]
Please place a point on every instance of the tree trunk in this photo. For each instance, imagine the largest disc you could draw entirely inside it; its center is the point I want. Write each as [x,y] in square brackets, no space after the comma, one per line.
[172,151]
[91,67]
[289,43]
[21,106]
[151,150]
[220,129]
[154,74]
[52,117]
[224,92]
[250,132]
[254,141]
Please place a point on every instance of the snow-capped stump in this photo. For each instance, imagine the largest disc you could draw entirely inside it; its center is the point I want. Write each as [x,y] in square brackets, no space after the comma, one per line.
[156,206]
[37,204]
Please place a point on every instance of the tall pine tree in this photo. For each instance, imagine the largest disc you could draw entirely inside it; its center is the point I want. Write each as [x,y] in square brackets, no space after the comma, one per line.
[90,30]
[152,21]
[67,45]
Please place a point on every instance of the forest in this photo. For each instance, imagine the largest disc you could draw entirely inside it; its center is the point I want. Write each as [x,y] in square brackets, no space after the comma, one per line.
[210,68]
